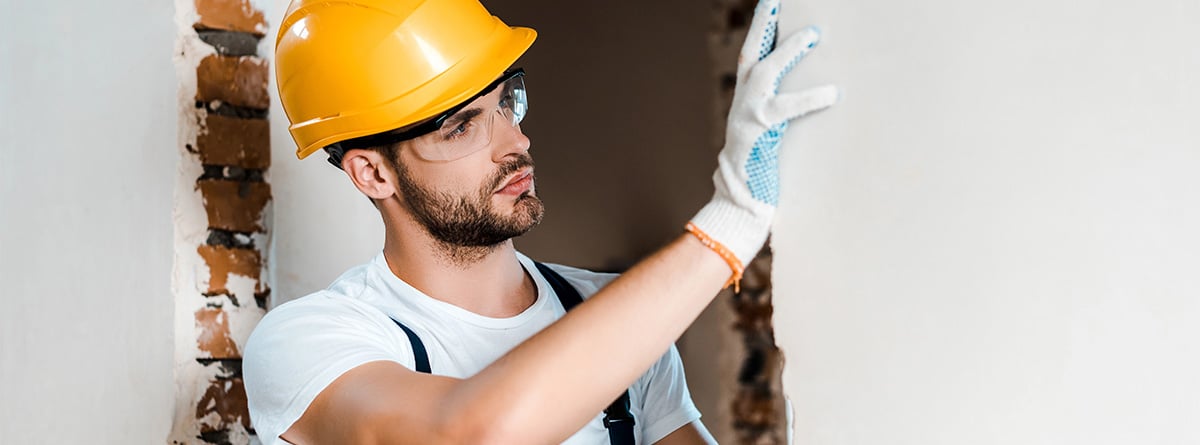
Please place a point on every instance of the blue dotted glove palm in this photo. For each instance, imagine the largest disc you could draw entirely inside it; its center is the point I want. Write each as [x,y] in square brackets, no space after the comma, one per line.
[747,177]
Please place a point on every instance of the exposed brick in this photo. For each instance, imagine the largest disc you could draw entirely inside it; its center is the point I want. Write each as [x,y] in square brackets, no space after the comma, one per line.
[214,340]
[227,398]
[234,205]
[226,368]
[231,172]
[755,408]
[245,143]
[240,81]
[223,261]
[231,15]
[230,43]
[218,237]
[228,110]
[758,407]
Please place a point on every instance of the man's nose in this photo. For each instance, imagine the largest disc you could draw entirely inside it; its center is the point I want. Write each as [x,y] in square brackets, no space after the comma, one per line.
[506,137]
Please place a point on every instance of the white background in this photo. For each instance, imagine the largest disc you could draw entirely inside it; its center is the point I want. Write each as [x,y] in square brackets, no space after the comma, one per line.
[993,238]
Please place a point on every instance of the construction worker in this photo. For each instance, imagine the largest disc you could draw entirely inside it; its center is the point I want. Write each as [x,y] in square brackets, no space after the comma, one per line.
[450,335]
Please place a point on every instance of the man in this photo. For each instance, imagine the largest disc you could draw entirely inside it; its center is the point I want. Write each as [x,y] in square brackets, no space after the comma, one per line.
[450,335]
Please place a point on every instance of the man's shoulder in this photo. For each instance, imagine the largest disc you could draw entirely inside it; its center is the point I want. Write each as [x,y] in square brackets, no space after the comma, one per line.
[347,294]
[322,308]
[324,300]
[347,304]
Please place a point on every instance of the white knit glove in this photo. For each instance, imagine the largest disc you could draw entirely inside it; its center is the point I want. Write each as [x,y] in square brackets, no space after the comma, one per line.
[747,177]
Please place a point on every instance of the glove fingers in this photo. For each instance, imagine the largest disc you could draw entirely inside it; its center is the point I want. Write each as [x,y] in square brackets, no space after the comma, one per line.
[760,41]
[785,57]
[788,106]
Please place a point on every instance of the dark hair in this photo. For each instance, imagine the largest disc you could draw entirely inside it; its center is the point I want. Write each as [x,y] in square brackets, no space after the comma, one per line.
[390,152]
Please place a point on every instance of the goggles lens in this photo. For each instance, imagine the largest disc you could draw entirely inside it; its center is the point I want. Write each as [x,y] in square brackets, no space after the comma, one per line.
[458,132]
[473,127]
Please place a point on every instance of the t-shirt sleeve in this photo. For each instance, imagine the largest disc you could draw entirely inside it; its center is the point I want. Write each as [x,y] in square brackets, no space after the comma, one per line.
[301,347]
[668,404]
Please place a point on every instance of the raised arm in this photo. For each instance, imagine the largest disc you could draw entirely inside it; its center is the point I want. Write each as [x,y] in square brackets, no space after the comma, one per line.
[548,387]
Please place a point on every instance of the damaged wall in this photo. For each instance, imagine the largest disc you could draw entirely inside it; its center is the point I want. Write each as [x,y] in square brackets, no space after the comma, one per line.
[222,213]
[87,156]
[992,238]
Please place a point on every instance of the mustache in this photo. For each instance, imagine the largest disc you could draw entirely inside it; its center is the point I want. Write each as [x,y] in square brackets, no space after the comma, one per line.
[509,167]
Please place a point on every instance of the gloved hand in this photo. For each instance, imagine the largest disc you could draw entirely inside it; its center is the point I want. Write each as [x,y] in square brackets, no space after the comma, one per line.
[738,219]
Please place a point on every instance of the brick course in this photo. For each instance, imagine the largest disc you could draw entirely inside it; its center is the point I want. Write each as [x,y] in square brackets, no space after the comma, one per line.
[230,15]
[237,142]
[214,339]
[223,262]
[239,81]
[226,398]
[235,205]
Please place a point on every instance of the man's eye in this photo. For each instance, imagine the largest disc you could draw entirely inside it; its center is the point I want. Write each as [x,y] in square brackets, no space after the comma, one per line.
[458,130]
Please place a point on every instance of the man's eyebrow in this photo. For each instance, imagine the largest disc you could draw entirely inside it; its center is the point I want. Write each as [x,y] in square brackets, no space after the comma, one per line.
[463,116]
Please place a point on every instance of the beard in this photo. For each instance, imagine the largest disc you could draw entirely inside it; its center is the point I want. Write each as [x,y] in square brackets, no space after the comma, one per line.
[471,221]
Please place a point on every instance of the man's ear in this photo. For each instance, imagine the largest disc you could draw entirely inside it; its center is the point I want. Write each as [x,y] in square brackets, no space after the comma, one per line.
[370,173]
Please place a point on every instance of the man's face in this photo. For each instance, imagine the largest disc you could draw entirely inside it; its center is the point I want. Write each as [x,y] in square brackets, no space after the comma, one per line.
[479,200]
[500,208]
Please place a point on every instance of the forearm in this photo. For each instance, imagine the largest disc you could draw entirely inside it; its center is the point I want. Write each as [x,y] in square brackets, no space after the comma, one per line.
[570,371]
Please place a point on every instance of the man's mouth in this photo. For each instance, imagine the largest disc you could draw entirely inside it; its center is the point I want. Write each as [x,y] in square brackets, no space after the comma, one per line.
[520,182]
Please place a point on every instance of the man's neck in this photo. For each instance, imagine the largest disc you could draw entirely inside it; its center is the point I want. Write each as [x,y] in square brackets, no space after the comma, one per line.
[489,282]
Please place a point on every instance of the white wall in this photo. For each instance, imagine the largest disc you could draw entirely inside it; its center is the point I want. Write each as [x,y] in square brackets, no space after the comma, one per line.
[993,238]
[87,159]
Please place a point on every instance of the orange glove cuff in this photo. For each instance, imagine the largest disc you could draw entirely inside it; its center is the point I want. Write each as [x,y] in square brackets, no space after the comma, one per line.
[734,263]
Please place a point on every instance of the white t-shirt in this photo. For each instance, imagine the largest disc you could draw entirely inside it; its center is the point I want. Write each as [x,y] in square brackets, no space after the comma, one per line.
[301,346]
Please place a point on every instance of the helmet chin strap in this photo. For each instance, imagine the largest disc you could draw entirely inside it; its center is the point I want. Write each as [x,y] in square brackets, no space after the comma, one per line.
[335,153]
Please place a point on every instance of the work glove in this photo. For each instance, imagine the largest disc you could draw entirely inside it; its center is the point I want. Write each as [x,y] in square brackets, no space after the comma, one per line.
[738,219]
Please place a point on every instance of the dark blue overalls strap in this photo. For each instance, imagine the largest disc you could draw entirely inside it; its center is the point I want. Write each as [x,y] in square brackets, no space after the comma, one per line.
[419,353]
[617,417]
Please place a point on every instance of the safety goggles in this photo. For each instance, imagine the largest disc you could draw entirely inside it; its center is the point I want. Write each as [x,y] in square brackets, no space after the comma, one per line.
[459,131]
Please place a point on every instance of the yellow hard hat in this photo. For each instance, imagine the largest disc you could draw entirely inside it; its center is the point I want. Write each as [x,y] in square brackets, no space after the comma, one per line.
[352,68]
